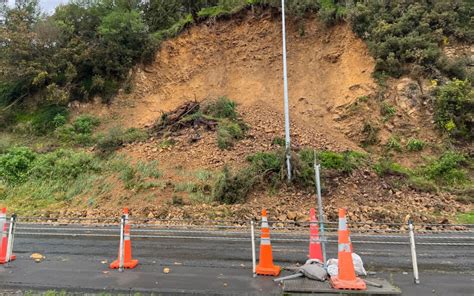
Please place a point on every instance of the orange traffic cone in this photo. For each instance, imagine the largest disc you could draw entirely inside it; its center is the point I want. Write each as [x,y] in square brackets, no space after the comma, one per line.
[265,265]
[128,262]
[4,238]
[315,251]
[346,278]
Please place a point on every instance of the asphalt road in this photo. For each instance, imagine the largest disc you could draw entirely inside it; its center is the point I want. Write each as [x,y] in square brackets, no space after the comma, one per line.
[200,264]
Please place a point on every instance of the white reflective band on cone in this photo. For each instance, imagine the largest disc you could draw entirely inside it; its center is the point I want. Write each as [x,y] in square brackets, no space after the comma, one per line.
[126,236]
[342,224]
[343,248]
[265,241]
[264,224]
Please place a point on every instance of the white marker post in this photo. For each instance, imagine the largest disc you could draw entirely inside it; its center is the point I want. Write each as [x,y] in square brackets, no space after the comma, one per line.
[254,260]
[11,236]
[413,252]
[121,247]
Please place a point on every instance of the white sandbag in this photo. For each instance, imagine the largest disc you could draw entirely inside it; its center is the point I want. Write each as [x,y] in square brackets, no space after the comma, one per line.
[314,271]
[332,269]
[357,261]
[358,265]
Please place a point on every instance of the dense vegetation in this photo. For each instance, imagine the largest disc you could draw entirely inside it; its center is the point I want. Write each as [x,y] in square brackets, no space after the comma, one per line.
[406,36]
[31,181]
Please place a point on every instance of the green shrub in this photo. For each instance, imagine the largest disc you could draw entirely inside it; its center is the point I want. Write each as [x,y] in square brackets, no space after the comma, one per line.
[167,143]
[64,164]
[9,91]
[228,132]
[15,164]
[415,145]
[129,177]
[386,166]
[174,30]
[220,108]
[400,33]
[188,187]
[269,167]
[454,109]
[446,170]
[387,111]
[79,131]
[67,134]
[393,143]
[85,124]
[370,133]
[203,175]
[344,162]
[330,11]
[59,120]
[45,120]
[466,218]
[149,169]
[233,187]
[277,141]
[117,137]
[456,68]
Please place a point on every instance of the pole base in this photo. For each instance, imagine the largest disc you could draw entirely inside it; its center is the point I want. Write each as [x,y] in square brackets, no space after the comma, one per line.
[271,271]
[128,264]
[3,259]
[357,284]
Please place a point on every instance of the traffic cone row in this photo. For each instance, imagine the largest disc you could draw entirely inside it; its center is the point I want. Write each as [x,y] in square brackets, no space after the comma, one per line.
[346,278]
[4,238]
[128,262]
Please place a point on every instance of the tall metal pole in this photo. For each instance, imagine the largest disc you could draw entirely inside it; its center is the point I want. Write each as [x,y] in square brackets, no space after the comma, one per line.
[285,91]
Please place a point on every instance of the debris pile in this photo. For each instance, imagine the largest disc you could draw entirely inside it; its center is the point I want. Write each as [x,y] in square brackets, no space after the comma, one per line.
[188,115]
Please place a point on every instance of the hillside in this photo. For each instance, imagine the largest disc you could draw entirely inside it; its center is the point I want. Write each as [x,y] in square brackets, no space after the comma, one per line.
[377,137]
[329,71]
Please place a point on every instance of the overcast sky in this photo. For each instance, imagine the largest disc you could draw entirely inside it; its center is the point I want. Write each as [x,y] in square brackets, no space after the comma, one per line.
[47,6]
[50,5]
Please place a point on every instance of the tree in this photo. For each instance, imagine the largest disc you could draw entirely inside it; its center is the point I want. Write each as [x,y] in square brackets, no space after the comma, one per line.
[18,65]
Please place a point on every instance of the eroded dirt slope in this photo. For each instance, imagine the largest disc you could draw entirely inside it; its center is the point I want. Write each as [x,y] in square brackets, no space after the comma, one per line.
[242,59]
[330,70]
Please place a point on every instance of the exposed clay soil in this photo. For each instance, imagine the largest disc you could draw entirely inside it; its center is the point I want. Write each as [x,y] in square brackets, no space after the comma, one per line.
[329,70]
